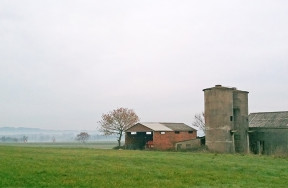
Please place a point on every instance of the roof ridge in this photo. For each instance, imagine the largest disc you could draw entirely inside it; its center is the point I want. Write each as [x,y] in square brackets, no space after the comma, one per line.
[269,112]
[172,122]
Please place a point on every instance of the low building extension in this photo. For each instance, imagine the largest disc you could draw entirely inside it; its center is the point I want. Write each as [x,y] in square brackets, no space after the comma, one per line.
[268,132]
[160,136]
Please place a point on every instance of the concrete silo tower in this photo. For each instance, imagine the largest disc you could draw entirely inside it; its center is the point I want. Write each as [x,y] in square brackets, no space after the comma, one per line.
[226,119]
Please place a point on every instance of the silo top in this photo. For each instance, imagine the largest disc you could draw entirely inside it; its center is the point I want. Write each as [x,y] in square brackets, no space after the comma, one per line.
[224,88]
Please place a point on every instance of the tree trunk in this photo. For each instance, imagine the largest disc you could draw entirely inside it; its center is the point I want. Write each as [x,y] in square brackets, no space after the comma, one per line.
[119,140]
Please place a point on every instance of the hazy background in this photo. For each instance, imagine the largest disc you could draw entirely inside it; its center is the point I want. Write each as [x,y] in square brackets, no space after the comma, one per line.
[63,63]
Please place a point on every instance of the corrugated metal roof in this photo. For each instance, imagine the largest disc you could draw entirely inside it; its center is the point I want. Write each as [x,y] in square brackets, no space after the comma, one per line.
[178,126]
[156,126]
[269,119]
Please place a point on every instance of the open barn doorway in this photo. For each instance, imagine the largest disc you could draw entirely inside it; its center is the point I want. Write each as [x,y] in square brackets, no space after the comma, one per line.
[139,140]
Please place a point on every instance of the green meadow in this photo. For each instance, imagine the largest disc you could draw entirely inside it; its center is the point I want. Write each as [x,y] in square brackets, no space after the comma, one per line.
[40,165]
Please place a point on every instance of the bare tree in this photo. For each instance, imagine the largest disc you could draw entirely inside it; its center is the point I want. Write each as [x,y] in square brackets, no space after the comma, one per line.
[117,121]
[25,139]
[82,137]
[199,121]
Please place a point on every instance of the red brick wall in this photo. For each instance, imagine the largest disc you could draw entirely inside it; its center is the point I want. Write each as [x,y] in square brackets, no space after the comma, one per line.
[168,140]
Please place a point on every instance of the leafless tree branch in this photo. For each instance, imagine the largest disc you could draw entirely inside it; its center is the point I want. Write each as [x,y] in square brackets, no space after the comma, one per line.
[199,121]
[117,121]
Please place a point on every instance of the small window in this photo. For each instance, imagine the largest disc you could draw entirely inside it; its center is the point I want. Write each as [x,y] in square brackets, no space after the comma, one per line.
[148,132]
[231,118]
[162,132]
[190,132]
[133,133]
[177,132]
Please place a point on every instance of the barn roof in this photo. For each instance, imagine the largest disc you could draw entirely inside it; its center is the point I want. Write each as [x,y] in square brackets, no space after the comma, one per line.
[178,126]
[156,126]
[269,119]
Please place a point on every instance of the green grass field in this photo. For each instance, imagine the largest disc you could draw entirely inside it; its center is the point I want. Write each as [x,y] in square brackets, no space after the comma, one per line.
[38,166]
[95,145]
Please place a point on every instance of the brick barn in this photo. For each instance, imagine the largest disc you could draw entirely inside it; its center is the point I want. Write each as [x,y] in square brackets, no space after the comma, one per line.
[158,135]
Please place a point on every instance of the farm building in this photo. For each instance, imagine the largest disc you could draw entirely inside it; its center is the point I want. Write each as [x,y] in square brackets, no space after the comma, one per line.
[229,129]
[268,132]
[160,136]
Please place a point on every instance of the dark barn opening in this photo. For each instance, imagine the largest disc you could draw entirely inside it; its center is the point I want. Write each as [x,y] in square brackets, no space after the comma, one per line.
[139,140]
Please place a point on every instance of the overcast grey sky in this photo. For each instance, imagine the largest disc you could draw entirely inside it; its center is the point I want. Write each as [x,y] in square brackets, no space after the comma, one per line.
[64,63]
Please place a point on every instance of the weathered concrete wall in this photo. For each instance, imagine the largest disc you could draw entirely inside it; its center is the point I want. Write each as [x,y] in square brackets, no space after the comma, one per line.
[268,140]
[218,110]
[226,118]
[189,144]
[240,120]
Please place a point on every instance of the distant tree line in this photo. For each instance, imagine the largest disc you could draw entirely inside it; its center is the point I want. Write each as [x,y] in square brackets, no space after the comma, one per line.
[13,139]
[8,139]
